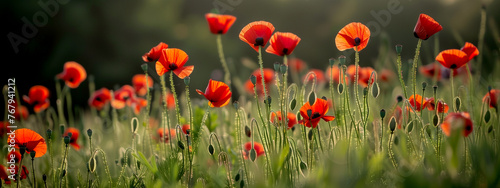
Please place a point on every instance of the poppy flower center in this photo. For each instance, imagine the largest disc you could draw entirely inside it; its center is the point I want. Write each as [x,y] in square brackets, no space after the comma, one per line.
[315,115]
[454,66]
[468,128]
[415,34]
[220,31]
[172,66]
[285,50]
[259,41]
[357,41]
[70,79]
[98,99]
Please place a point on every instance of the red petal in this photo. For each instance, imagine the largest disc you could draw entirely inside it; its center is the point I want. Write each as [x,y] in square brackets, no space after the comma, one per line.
[219,24]
[452,59]
[426,27]
[182,72]
[470,50]
[346,36]
[255,30]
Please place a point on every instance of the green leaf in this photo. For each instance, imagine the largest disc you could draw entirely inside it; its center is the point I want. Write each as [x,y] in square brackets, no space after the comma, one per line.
[151,166]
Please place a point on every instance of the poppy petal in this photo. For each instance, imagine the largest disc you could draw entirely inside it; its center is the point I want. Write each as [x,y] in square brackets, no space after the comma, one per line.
[219,24]
[160,69]
[255,30]
[426,27]
[470,50]
[452,59]
[348,36]
[182,72]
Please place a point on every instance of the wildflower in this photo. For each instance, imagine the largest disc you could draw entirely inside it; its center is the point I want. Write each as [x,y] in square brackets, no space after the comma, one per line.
[398,114]
[3,175]
[457,121]
[31,140]
[75,133]
[417,102]
[38,96]
[426,27]
[165,137]
[441,106]
[334,72]
[123,96]
[291,118]
[185,128]
[21,112]
[259,149]
[217,93]
[73,74]
[268,79]
[138,104]
[100,98]
[155,53]
[173,59]
[257,34]
[493,94]
[14,155]
[364,76]
[316,112]
[282,43]
[452,59]
[296,65]
[470,50]
[352,35]
[387,75]
[170,100]
[139,83]
[219,24]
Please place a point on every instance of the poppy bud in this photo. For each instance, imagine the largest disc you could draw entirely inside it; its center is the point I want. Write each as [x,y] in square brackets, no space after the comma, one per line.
[331,61]
[92,164]
[424,85]
[211,149]
[70,134]
[62,129]
[253,154]
[236,105]
[341,88]
[44,177]
[22,150]
[392,124]
[435,88]
[276,66]
[67,139]
[144,67]
[180,144]
[309,113]
[293,103]
[247,131]
[310,134]
[342,60]
[269,100]
[63,173]
[32,154]
[365,91]
[382,113]
[133,124]
[283,69]
[89,133]
[242,183]
[458,102]
[399,98]
[49,133]
[487,116]
[187,80]
[409,128]
[312,98]
[435,120]
[237,177]
[375,90]
[253,79]
[399,48]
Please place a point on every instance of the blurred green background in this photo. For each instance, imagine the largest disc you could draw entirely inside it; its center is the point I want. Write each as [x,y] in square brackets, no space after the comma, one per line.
[109,37]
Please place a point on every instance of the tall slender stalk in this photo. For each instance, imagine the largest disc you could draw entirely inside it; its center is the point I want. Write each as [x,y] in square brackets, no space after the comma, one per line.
[415,64]
[176,101]
[227,75]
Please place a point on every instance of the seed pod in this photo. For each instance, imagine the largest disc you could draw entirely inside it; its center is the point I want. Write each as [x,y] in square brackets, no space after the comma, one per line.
[144,67]
[382,113]
[67,139]
[309,113]
[70,134]
[276,66]
[342,60]
[312,98]
[187,80]
[32,154]
[293,103]
[392,124]
[399,48]
[375,90]
[283,69]
[180,144]
[331,61]
[253,79]
[211,149]
[487,116]
[341,88]
[89,133]
[435,120]
[269,100]
[134,123]
[92,165]
[247,131]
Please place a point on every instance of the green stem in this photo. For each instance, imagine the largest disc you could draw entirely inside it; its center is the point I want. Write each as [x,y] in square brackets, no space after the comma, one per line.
[165,113]
[391,154]
[400,75]
[453,90]
[415,64]
[356,87]
[227,75]
[172,88]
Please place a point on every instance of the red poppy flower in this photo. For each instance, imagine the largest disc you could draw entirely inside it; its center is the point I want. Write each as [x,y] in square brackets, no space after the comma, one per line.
[470,50]
[170,101]
[38,96]
[417,102]
[138,104]
[73,74]
[21,112]
[320,76]
[259,149]
[219,24]
[31,140]
[257,34]
[13,155]
[296,65]
[217,93]
[155,53]
[452,59]
[4,128]
[173,59]
[457,121]
[185,128]
[441,106]
[387,75]
[24,174]
[276,116]
[3,175]
[139,83]
[431,70]
[334,72]
[268,80]
[165,137]
[283,43]
[123,96]
[494,94]
[75,133]
[318,112]
[352,35]
[426,27]
[364,76]
[100,98]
